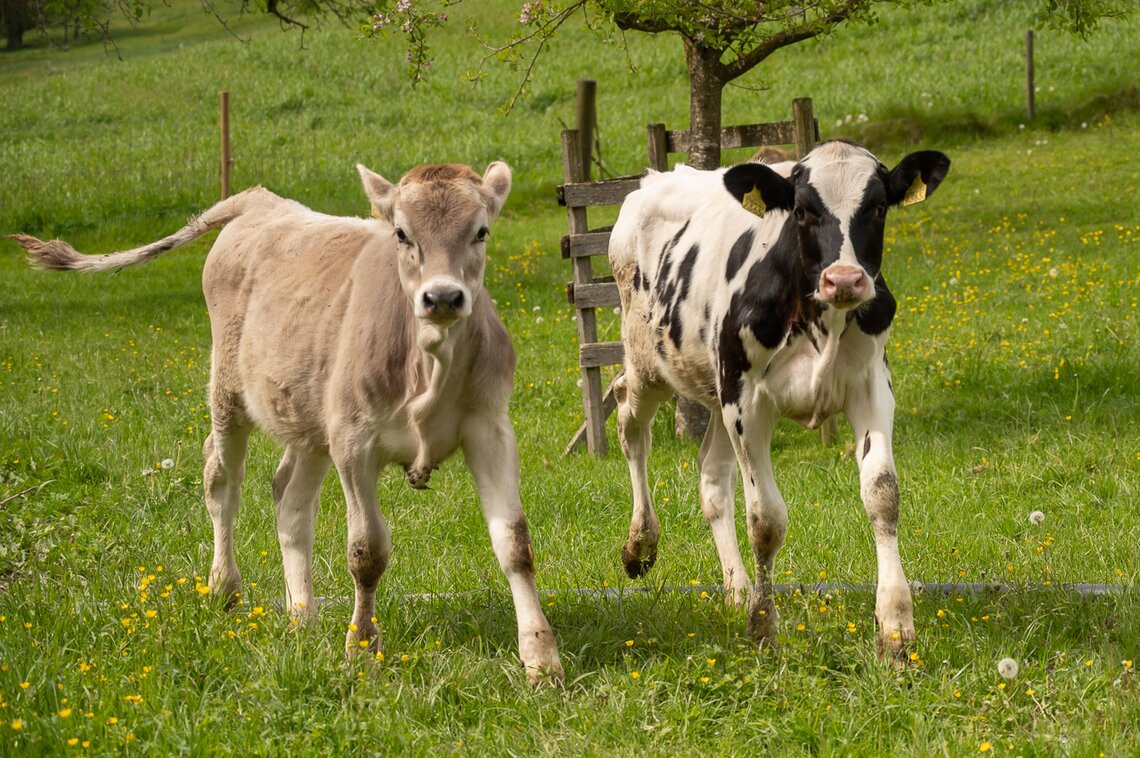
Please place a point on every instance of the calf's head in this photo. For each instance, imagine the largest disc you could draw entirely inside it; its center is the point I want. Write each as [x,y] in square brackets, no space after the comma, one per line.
[441,217]
[836,201]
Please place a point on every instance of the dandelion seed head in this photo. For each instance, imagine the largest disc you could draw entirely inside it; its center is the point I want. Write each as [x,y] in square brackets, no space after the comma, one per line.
[168,463]
[1008,668]
[1037,517]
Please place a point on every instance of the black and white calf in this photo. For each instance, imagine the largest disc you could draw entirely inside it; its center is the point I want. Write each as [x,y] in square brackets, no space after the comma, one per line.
[758,292]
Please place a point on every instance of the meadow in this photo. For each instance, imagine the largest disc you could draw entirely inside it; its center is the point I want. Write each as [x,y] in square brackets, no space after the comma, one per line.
[1014,355]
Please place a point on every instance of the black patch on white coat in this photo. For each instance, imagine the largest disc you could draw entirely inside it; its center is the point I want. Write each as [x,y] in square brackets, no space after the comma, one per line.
[738,254]
[732,362]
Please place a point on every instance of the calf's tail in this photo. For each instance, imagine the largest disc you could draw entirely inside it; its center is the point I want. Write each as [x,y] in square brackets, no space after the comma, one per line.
[57,254]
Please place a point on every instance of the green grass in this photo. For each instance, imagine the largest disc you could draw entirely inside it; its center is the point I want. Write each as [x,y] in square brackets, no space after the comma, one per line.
[1014,356]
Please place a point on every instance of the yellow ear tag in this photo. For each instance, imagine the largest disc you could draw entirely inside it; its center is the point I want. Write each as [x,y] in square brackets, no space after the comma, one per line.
[375,212]
[754,203]
[916,193]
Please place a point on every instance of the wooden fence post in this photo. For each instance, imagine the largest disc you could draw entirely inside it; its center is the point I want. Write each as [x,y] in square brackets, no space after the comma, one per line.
[1030,95]
[803,117]
[226,160]
[587,117]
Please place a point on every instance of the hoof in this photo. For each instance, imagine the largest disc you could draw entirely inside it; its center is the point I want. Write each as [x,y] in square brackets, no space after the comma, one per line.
[364,639]
[229,590]
[635,564]
[418,477]
[762,619]
[539,655]
[894,647]
[546,676]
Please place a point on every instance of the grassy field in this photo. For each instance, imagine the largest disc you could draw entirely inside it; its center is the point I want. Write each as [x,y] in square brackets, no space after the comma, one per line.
[1015,355]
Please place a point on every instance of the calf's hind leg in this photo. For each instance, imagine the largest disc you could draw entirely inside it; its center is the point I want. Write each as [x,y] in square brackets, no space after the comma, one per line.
[224,452]
[637,405]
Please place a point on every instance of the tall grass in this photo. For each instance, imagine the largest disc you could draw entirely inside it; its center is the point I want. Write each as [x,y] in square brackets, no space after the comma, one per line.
[1014,356]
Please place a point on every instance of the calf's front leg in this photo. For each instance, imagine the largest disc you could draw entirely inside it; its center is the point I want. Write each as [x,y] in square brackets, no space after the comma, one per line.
[369,540]
[296,491]
[767,516]
[718,495]
[492,456]
[871,415]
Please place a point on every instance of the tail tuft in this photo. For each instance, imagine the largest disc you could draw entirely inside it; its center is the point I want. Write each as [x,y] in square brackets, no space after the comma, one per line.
[54,254]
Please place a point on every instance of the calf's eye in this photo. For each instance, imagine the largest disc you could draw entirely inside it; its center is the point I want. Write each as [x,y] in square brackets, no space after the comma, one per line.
[403,238]
[482,234]
[799,213]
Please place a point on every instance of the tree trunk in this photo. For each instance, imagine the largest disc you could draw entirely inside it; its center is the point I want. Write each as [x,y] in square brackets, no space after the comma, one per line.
[706,84]
[14,14]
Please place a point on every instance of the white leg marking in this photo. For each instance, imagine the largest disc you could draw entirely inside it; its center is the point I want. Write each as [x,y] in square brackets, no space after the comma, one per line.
[637,405]
[767,516]
[718,495]
[871,414]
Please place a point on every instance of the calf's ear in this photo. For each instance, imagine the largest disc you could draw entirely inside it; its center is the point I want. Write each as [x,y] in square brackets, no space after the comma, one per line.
[380,192]
[916,177]
[759,189]
[496,187]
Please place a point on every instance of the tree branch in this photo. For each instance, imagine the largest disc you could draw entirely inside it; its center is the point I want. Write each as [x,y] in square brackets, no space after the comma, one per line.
[746,61]
[628,22]
[542,33]
[271,9]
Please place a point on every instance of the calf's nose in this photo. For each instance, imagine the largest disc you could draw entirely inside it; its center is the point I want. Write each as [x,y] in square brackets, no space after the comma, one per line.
[443,301]
[446,300]
[844,285]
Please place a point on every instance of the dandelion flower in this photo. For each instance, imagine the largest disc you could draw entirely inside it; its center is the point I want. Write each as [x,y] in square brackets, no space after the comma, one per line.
[1037,517]
[635,674]
[629,642]
[65,713]
[984,747]
[72,741]
[1008,668]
